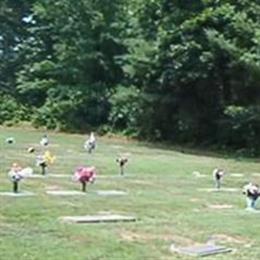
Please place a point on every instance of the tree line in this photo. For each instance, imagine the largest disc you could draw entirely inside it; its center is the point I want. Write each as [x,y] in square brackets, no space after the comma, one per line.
[173,70]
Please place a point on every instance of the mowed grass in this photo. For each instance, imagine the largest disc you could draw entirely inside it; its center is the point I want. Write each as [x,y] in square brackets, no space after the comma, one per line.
[162,193]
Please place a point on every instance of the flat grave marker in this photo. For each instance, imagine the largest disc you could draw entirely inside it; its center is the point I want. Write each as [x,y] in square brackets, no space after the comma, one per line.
[237,175]
[219,190]
[59,175]
[113,218]
[220,206]
[111,192]
[200,250]
[18,194]
[65,193]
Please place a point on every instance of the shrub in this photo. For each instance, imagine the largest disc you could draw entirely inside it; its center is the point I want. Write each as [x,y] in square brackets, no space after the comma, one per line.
[240,128]
[125,109]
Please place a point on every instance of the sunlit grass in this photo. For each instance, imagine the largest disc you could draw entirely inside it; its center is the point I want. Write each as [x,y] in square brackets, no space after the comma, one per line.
[162,193]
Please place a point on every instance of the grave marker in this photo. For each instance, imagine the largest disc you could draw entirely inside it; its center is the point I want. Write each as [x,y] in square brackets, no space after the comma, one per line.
[111,193]
[65,193]
[98,219]
[200,250]
[18,194]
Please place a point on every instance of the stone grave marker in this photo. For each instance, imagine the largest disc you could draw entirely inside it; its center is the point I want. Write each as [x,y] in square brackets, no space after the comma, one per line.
[237,175]
[111,192]
[59,176]
[200,250]
[107,218]
[219,190]
[65,193]
[17,194]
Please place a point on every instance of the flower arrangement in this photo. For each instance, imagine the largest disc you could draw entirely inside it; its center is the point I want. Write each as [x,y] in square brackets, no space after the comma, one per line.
[17,173]
[122,161]
[85,175]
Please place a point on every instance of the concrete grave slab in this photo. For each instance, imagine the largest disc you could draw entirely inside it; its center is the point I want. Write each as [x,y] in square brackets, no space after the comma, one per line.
[107,218]
[237,175]
[219,190]
[59,176]
[111,192]
[256,174]
[220,206]
[19,194]
[116,176]
[200,250]
[65,193]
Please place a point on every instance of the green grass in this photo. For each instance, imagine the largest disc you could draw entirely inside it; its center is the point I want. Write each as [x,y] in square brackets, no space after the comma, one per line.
[163,194]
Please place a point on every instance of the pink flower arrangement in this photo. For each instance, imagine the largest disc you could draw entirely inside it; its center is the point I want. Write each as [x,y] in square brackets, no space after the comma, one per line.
[85,175]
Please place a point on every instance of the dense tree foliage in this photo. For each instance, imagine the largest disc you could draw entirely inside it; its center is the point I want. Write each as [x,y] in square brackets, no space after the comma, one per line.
[183,71]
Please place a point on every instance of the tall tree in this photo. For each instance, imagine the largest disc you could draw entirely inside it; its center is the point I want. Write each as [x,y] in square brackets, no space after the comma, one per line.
[72,60]
[12,34]
[201,58]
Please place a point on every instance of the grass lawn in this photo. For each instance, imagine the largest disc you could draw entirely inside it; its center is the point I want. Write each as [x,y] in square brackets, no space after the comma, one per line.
[162,192]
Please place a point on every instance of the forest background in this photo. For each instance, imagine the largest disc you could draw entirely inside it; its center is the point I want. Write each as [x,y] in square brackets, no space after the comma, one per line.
[185,72]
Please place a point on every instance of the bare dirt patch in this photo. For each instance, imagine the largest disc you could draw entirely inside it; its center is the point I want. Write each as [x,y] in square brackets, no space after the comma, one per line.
[223,238]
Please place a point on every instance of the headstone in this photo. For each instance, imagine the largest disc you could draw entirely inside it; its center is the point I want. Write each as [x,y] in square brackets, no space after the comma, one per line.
[98,219]
[111,192]
[18,194]
[65,193]
[201,250]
